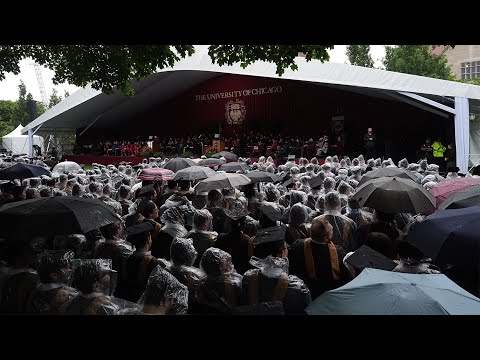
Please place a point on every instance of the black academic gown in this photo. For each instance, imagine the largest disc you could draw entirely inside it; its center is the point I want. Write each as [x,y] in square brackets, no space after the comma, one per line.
[236,244]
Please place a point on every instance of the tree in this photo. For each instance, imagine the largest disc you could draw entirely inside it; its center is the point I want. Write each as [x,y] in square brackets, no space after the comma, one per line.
[21,114]
[112,66]
[7,110]
[54,98]
[417,60]
[66,94]
[359,55]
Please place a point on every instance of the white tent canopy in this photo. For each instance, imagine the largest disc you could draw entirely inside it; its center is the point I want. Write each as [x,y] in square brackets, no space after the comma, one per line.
[90,108]
[18,143]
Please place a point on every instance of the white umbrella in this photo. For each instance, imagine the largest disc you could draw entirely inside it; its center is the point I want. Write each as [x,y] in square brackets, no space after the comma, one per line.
[220,181]
[65,167]
[194,173]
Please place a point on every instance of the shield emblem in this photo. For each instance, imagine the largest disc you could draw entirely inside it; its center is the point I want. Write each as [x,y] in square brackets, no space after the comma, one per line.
[235,112]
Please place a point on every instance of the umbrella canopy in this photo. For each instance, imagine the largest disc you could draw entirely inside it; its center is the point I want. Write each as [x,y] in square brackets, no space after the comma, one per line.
[157,174]
[444,189]
[449,236]
[226,154]
[388,172]
[258,176]
[315,181]
[395,195]
[220,181]
[55,215]
[194,173]
[178,163]
[234,167]
[462,199]
[379,292]
[22,171]
[211,162]
[66,167]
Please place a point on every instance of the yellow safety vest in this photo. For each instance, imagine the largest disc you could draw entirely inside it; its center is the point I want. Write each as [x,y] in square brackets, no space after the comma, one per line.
[438,149]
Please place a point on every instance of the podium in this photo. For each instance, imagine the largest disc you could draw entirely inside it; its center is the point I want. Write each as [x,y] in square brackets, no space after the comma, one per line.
[218,145]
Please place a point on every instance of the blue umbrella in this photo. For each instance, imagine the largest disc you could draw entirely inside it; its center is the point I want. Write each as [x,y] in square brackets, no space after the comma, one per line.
[379,292]
[22,171]
[449,236]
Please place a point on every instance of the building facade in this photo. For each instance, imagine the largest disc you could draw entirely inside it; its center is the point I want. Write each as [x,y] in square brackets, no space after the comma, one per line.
[464,59]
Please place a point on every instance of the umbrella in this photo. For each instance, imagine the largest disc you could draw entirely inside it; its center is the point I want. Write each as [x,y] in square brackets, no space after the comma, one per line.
[66,167]
[22,171]
[194,173]
[462,199]
[258,176]
[211,162]
[388,172]
[379,292]
[395,195]
[158,174]
[234,167]
[220,181]
[444,189]
[178,163]
[449,235]
[55,215]
[226,154]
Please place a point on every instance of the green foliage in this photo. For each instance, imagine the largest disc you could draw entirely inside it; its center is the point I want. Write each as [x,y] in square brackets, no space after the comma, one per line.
[209,153]
[159,154]
[359,55]
[145,153]
[7,110]
[186,154]
[417,60]
[112,66]
[5,128]
[20,113]
[54,98]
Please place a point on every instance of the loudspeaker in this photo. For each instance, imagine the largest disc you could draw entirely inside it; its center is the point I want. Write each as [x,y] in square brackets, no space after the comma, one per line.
[32,109]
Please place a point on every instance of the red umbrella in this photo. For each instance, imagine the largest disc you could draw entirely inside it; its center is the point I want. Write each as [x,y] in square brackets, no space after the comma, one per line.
[444,189]
[156,174]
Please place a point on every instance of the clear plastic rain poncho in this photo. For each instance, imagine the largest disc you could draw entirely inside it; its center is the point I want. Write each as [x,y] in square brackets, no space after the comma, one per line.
[87,273]
[403,163]
[161,286]
[174,223]
[430,184]
[270,266]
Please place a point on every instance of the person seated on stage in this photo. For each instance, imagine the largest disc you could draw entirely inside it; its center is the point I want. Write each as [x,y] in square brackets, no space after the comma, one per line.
[54,270]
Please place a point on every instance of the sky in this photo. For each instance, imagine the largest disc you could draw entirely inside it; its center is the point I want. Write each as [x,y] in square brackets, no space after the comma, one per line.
[9,86]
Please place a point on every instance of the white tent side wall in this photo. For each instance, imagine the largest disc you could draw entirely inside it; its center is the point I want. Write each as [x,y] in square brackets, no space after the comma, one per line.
[474,143]
[19,144]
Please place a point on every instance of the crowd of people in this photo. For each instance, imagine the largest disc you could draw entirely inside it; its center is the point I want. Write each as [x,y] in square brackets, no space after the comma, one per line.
[260,248]
[248,144]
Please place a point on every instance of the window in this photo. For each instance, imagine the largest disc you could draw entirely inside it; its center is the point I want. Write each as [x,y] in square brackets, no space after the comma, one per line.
[470,70]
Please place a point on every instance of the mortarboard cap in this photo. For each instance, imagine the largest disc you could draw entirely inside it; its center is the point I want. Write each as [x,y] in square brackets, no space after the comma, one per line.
[269,241]
[367,257]
[269,211]
[146,190]
[315,181]
[237,213]
[134,230]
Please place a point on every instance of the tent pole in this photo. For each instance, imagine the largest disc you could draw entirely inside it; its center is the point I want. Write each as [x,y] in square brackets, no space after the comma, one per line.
[88,127]
[30,143]
[462,132]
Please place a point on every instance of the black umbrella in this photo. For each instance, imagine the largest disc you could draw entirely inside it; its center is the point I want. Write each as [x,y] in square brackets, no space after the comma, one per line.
[211,162]
[462,199]
[258,176]
[23,171]
[54,215]
[194,173]
[394,195]
[449,236]
[388,172]
[178,164]
[226,154]
[234,167]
